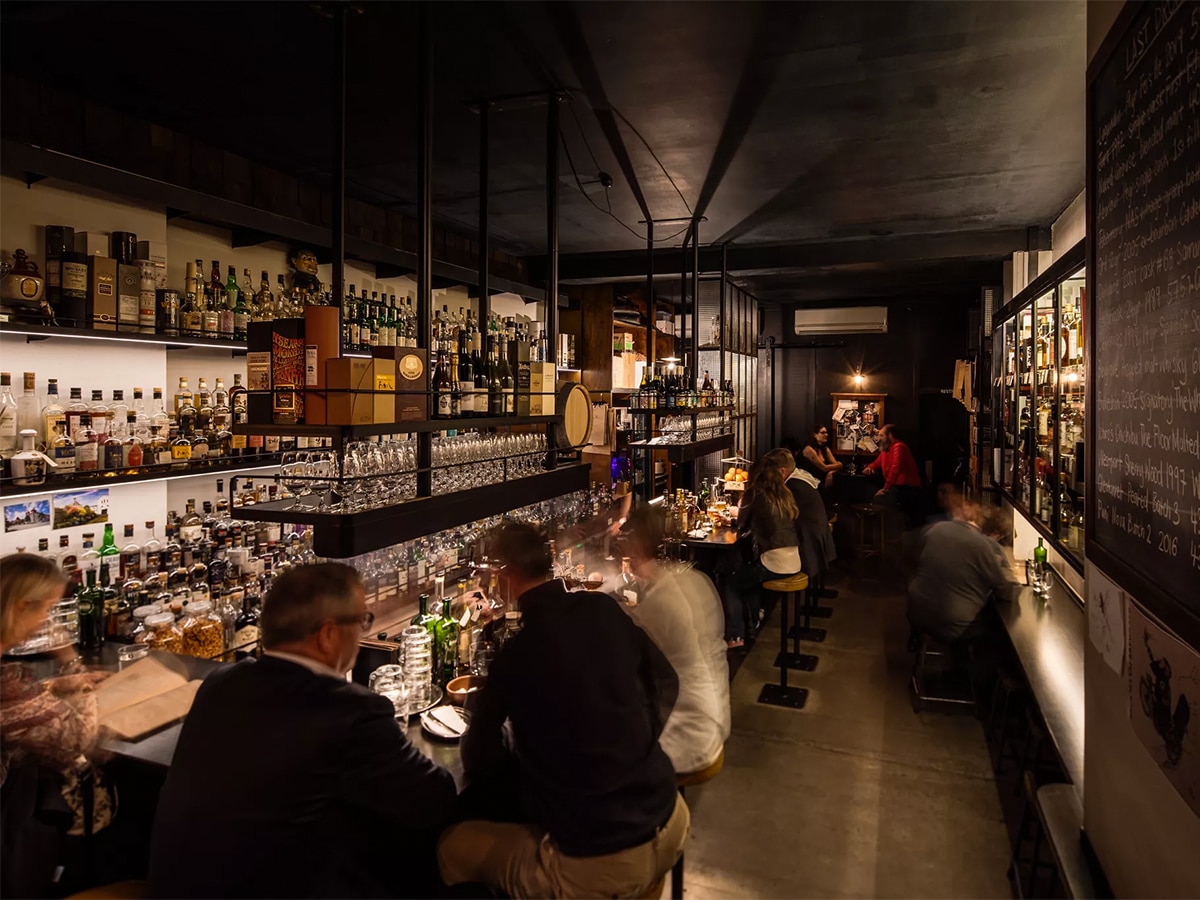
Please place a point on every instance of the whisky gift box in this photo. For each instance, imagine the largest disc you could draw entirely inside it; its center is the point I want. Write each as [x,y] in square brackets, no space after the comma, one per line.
[129,297]
[102,293]
[412,381]
[349,399]
[283,340]
[322,343]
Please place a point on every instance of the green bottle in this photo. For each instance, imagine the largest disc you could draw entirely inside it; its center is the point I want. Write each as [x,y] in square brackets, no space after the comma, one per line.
[425,619]
[1039,553]
[109,546]
[90,607]
[446,643]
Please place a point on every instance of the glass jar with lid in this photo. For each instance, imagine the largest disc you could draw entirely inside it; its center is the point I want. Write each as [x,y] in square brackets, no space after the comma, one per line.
[203,631]
[161,633]
[140,614]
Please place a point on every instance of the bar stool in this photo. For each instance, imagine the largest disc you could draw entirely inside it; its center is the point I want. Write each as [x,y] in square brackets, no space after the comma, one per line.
[919,684]
[872,539]
[781,694]
[686,780]
[806,632]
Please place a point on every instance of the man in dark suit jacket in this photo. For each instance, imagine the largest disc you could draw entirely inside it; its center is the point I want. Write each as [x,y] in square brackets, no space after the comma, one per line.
[289,781]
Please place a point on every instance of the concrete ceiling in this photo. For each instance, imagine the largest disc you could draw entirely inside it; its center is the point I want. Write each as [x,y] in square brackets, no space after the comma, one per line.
[861,141]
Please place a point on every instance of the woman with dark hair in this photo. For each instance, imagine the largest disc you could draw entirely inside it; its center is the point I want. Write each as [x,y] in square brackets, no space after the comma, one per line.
[817,459]
[768,514]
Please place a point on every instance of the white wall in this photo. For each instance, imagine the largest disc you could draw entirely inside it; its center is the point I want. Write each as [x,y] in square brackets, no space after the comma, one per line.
[1070,227]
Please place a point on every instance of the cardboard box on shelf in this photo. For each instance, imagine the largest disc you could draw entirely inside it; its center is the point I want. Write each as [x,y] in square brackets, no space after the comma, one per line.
[102,293]
[538,398]
[412,381]
[93,243]
[349,382]
[156,253]
[322,342]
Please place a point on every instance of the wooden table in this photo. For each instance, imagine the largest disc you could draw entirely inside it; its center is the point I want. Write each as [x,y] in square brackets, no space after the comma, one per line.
[722,536]
[1048,636]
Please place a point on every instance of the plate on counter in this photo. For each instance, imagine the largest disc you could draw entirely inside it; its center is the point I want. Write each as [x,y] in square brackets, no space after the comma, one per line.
[447,723]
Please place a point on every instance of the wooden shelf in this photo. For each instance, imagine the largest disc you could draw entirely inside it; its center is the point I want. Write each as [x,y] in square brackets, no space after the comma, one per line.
[180,342]
[341,535]
[664,413]
[92,480]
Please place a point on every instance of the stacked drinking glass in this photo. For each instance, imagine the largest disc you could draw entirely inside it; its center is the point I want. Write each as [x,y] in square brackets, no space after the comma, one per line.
[417,644]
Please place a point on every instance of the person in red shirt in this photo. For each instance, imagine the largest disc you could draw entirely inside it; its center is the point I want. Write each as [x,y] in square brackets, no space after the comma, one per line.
[901,480]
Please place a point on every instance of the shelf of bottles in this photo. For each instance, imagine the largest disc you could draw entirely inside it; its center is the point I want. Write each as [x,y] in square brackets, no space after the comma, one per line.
[53,443]
[1038,378]
[196,586]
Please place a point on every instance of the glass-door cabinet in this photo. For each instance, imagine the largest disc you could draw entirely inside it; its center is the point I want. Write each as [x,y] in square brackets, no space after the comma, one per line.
[1038,377]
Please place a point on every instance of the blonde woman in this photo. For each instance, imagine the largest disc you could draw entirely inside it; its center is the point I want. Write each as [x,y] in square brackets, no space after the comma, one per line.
[47,728]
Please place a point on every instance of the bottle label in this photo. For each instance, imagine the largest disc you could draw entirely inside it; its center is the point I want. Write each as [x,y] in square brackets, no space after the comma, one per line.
[8,423]
[86,457]
[131,455]
[114,458]
[181,451]
[190,533]
[199,450]
[444,405]
[74,277]
[163,456]
[65,457]
[238,442]
[129,308]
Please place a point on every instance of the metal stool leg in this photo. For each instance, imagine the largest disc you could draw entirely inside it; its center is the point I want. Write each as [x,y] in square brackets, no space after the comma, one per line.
[780,694]
[801,662]
[807,632]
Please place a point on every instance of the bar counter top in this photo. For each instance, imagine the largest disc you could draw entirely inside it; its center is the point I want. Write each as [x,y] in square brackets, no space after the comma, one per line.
[1048,635]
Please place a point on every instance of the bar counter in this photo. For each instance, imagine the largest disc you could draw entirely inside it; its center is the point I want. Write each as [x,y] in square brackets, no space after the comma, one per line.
[1048,636]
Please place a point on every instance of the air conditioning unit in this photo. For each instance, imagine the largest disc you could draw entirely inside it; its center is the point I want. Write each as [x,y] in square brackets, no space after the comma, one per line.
[842,320]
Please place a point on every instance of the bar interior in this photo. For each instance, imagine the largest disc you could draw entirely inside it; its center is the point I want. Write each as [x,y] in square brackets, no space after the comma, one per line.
[853,360]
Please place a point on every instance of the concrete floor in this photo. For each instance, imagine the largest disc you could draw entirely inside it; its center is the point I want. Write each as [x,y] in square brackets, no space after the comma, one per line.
[855,795]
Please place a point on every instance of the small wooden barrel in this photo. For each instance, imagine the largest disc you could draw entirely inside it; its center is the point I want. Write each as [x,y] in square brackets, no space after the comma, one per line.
[574,404]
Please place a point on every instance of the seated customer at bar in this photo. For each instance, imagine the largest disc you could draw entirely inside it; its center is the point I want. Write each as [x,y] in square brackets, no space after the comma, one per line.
[289,781]
[901,480]
[598,813]
[680,610]
[768,514]
[959,576]
[817,549]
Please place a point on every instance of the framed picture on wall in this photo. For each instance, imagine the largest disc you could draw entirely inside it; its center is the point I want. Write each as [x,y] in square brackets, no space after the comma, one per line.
[857,419]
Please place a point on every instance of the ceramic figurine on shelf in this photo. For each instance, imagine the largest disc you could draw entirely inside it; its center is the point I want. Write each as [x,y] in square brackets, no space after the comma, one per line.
[303,261]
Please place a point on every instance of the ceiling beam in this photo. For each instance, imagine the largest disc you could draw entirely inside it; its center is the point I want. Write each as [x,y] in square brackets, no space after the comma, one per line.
[570,33]
[774,259]
[778,23]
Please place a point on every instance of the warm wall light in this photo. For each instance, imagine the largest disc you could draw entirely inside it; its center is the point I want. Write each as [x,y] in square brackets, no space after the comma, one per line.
[858,379]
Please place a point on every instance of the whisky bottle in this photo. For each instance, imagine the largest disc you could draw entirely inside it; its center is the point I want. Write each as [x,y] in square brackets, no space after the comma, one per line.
[442,389]
[87,447]
[181,449]
[132,454]
[98,411]
[265,299]
[183,396]
[54,417]
[113,448]
[285,303]
[203,404]
[8,416]
[62,449]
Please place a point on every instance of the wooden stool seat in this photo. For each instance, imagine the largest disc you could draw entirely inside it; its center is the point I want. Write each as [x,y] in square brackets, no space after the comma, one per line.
[797,582]
[119,890]
[687,779]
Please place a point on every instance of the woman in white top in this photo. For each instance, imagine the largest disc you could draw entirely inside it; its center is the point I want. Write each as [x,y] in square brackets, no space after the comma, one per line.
[680,610]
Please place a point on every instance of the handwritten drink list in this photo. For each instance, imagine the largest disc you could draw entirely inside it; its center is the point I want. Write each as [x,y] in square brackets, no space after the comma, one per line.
[1146,209]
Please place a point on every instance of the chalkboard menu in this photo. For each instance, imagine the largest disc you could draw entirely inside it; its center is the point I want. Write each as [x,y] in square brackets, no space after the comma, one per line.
[1144,175]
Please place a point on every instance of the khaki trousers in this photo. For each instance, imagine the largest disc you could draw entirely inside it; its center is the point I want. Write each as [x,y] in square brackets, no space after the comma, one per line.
[523,861]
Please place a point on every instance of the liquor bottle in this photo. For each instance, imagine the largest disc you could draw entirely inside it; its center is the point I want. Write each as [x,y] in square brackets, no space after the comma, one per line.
[630,591]
[424,618]
[466,378]
[28,407]
[479,397]
[210,316]
[108,546]
[446,653]
[186,414]
[87,447]
[90,609]
[183,395]
[132,453]
[112,448]
[75,408]
[508,386]
[225,303]
[199,438]
[265,300]
[181,448]
[8,416]
[441,388]
[203,404]
[191,319]
[214,278]
[242,314]
[62,450]
[151,551]
[285,302]
[495,387]
[191,525]
[98,412]
[54,417]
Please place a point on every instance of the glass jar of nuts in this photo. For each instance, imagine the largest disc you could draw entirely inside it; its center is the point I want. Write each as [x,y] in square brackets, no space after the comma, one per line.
[203,631]
[162,633]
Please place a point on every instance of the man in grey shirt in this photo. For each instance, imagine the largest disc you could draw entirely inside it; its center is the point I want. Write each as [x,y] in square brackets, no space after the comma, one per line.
[959,572]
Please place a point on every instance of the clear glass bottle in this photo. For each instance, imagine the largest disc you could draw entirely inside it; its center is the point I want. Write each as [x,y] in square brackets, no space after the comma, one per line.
[54,416]
[151,551]
[131,556]
[28,406]
[87,447]
[9,440]
[132,451]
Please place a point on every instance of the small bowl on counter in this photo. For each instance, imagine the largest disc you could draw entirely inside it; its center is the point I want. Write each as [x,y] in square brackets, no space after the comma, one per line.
[463,690]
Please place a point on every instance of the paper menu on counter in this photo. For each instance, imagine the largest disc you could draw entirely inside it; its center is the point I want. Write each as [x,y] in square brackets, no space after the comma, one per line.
[151,693]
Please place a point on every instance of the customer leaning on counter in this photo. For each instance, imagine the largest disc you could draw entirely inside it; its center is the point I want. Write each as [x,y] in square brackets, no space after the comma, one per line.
[596,813]
[289,781]
[47,730]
